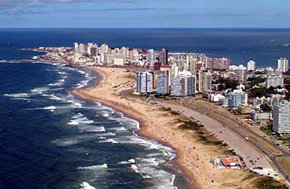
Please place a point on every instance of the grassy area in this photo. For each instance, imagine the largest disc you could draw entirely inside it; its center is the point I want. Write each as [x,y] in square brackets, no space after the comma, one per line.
[204,136]
[285,138]
[269,183]
[285,163]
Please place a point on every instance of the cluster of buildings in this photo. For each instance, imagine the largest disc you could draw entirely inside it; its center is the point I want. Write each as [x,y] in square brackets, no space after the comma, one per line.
[104,55]
[186,74]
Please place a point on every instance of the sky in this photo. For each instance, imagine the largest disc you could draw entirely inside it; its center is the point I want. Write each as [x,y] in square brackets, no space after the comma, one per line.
[144,13]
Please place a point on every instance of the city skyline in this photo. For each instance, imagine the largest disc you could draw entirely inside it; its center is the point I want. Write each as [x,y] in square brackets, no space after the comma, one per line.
[144,14]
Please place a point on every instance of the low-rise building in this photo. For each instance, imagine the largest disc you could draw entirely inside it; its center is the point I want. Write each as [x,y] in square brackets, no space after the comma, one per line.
[256,116]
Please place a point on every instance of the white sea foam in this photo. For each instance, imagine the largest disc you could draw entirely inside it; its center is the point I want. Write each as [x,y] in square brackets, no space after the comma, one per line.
[130,161]
[73,140]
[117,129]
[82,84]
[106,114]
[93,129]
[3,61]
[58,83]
[105,134]
[109,141]
[85,185]
[135,168]
[39,90]
[80,119]
[62,73]
[17,95]
[53,97]
[94,167]
[49,108]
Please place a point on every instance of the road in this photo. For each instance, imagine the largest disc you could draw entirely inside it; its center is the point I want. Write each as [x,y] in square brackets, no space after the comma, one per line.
[234,136]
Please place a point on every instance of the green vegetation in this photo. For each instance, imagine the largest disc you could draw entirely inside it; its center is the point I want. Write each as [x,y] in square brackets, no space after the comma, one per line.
[262,91]
[267,130]
[189,124]
[227,83]
[256,81]
[266,108]
[287,83]
[285,138]
[269,183]
[204,136]
[138,95]
[171,111]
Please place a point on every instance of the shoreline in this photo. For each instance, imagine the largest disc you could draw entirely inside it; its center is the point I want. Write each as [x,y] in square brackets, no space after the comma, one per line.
[141,132]
[193,157]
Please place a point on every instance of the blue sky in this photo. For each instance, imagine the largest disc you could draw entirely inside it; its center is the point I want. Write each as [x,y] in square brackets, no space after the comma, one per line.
[145,13]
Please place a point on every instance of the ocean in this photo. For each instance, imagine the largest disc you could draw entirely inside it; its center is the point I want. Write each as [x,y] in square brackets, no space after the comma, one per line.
[264,46]
[51,139]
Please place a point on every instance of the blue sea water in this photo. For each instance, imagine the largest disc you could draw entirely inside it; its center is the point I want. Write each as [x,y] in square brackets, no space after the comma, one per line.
[51,139]
[264,46]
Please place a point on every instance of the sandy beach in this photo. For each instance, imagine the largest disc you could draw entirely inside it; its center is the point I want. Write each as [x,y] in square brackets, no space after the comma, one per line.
[193,156]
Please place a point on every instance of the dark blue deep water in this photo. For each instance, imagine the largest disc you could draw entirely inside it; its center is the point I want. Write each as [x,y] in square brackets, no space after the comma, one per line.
[51,139]
[264,46]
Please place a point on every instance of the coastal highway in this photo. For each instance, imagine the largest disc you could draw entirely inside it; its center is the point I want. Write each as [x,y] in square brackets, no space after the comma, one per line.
[225,131]
[236,126]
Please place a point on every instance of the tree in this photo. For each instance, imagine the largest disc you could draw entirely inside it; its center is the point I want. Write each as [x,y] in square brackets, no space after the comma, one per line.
[266,108]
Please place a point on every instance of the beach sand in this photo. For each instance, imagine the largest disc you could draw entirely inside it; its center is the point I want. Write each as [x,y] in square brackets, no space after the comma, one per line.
[193,156]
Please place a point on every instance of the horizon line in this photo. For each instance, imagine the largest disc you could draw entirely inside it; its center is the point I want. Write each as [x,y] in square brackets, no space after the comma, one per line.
[228,28]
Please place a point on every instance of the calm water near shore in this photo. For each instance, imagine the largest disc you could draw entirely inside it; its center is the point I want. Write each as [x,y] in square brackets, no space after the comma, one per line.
[50,139]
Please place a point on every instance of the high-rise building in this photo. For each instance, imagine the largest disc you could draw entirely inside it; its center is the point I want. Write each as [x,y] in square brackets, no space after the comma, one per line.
[183,84]
[281,117]
[163,84]
[76,48]
[204,81]
[151,56]
[237,97]
[240,72]
[144,82]
[81,48]
[93,51]
[191,61]
[133,55]
[218,63]
[166,69]
[251,65]
[283,64]
[274,78]
[163,56]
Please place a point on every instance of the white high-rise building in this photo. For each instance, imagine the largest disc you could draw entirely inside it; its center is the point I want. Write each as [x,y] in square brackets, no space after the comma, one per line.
[151,56]
[281,117]
[240,72]
[81,48]
[76,48]
[144,82]
[204,81]
[163,84]
[274,78]
[251,65]
[283,64]
[184,84]
[237,97]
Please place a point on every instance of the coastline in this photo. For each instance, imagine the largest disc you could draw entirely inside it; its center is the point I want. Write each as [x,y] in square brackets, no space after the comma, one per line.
[192,157]
[142,132]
